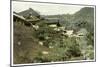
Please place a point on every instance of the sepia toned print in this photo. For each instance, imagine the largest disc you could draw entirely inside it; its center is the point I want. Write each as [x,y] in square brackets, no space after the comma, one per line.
[45,32]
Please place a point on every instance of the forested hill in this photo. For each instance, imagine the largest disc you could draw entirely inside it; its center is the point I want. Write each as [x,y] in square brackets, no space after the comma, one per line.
[86,13]
[85,18]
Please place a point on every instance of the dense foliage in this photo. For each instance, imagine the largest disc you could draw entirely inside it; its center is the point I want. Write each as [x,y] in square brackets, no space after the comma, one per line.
[48,45]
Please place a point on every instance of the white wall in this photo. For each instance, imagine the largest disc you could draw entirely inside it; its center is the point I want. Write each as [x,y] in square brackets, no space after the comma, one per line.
[5,33]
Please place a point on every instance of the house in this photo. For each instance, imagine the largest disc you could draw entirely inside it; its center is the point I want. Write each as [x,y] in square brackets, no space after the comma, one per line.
[29,12]
[20,19]
[30,15]
[53,22]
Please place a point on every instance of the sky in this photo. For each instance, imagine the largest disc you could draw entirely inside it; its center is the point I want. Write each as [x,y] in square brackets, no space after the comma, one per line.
[46,8]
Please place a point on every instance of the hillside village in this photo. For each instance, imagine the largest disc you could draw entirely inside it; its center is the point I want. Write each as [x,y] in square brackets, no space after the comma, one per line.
[40,38]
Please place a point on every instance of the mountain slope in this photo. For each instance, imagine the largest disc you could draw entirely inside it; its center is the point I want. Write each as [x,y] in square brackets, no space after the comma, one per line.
[84,18]
[86,13]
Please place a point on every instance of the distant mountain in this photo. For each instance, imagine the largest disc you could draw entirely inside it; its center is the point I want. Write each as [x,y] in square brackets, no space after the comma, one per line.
[85,18]
[86,14]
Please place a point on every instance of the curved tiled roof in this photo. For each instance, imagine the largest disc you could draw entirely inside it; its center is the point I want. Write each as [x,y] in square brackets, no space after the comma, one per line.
[29,11]
[18,16]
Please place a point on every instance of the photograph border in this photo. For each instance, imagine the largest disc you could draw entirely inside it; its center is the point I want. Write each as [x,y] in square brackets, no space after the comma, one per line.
[48,63]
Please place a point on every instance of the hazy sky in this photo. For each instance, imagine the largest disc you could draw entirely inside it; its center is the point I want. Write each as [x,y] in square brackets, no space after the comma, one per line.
[45,8]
